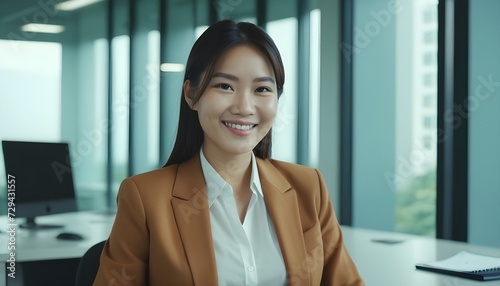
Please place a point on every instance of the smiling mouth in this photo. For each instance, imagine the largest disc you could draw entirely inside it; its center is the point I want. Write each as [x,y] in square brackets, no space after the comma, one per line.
[242,127]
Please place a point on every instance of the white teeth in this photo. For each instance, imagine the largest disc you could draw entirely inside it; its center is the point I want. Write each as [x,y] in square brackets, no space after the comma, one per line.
[238,126]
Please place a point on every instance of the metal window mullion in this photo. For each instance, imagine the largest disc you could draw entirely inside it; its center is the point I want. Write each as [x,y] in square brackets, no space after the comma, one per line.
[109,142]
[131,118]
[303,69]
[346,111]
[453,80]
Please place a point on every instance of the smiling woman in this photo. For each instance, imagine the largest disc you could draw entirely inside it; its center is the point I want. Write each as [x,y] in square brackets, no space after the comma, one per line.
[239,104]
[201,71]
[221,211]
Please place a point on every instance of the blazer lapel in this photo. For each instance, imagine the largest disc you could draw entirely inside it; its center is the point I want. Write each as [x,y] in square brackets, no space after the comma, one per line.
[281,202]
[190,205]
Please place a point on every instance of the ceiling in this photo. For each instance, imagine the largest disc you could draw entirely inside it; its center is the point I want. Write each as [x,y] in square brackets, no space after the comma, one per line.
[28,10]
[12,10]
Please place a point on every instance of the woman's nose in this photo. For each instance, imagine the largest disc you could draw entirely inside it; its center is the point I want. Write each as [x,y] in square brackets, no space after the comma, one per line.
[243,103]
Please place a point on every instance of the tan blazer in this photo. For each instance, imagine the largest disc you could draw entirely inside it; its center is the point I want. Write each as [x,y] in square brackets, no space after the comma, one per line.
[162,234]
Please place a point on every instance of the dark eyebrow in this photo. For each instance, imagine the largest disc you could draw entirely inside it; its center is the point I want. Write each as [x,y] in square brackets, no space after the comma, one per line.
[225,75]
[264,78]
[235,78]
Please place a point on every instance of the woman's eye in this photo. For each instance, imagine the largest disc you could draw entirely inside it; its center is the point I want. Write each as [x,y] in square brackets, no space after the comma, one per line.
[263,89]
[224,86]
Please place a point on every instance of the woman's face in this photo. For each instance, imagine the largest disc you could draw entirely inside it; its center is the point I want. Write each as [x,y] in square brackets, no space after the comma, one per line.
[239,105]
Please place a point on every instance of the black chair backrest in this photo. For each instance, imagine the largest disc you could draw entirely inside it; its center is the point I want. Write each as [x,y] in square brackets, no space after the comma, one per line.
[89,264]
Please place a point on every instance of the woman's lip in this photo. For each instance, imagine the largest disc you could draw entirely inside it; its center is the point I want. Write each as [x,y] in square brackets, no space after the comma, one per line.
[238,122]
[239,132]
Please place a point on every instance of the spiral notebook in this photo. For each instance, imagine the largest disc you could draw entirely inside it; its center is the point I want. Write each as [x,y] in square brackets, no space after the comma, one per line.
[466,265]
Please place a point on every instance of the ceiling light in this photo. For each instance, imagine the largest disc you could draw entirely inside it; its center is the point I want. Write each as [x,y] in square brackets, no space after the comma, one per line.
[42,28]
[170,67]
[75,4]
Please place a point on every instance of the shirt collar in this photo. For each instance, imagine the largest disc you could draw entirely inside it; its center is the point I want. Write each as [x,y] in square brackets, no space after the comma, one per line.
[216,184]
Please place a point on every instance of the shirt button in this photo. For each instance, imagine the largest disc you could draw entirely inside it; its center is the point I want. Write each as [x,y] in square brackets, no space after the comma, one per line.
[250,268]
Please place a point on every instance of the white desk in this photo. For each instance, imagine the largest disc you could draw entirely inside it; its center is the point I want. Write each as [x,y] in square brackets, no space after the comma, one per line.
[394,264]
[40,245]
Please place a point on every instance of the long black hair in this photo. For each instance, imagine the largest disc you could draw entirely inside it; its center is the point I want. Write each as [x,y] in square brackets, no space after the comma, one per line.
[203,58]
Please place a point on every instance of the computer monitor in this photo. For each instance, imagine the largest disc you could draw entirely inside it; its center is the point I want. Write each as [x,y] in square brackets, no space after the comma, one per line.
[43,179]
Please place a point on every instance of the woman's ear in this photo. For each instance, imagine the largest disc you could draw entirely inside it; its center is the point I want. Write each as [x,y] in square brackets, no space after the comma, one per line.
[188,94]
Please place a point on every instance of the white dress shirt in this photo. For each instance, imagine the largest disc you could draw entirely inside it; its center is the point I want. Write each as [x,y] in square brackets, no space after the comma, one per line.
[248,253]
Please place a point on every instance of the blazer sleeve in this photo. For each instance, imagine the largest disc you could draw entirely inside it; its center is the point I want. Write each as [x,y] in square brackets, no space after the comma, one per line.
[338,269]
[124,259]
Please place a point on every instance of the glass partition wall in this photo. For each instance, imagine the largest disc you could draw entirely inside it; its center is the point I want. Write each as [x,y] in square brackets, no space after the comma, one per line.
[106,77]
[54,70]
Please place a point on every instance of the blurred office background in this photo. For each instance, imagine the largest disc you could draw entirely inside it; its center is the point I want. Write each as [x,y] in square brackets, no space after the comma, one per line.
[362,99]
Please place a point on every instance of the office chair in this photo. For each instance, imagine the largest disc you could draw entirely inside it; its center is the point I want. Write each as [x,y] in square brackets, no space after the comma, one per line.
[89,264]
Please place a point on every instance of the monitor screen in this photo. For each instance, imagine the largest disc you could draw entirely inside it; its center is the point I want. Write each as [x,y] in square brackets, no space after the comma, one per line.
[44,178]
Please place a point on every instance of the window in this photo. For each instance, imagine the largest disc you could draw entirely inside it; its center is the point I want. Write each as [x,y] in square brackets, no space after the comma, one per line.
[285,124]
[314,82]
[29,112]
[394,160]
[429,122]
[429,80]
[119,112]
[430,101]
[430,58]
[430,37]
[428,142]
[430,15]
